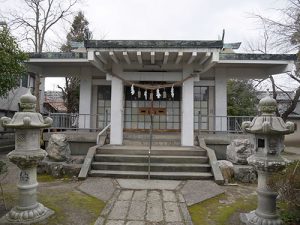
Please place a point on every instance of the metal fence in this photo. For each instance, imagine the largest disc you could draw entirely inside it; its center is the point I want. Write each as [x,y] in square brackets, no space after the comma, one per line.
[75,121]
[229,124]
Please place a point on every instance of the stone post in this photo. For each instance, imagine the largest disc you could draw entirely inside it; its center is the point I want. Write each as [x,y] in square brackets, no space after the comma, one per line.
[268,130]
[27,154]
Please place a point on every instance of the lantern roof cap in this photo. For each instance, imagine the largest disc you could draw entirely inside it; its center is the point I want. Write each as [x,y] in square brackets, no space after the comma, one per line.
[267,105]
[28,102]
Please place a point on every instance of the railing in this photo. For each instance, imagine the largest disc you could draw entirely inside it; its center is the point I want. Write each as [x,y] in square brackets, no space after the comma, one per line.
[76,122]
[102,132]
[229,124]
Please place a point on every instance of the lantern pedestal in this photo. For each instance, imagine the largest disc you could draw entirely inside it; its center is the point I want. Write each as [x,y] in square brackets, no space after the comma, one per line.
[269,131]
[26,156]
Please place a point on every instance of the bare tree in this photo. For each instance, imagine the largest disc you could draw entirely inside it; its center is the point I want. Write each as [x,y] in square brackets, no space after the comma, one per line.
[34,21]
[284,35]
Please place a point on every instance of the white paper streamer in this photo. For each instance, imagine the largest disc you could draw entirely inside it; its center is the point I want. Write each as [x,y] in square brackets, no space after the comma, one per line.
[172,91]
[158,94]
[132,90]
[145,94]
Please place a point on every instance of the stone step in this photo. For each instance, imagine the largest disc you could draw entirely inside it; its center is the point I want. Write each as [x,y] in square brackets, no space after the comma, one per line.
[146,135]
[157,142]
[153,175]
[155,150]
[155,167]
[154,158]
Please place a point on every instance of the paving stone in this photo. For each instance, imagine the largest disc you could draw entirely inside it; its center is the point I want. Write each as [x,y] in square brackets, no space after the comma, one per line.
[137,210]
[175,223]
[195,191]
[125,195]
[169,196]
[108,207]
[101,188]
[115,222]
[153,196]
[185,212]
[180,197]
[148,184]
[99,221]
[154,211]
[135,223]
[119,211]
[140,195]
[172,212]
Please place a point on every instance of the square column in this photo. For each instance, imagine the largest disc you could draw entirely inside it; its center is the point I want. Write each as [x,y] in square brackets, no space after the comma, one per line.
[116,120]
[85,100]
[187,110]
[220,102]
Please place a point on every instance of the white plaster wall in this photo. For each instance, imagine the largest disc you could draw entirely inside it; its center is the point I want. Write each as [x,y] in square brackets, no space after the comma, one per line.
[117,108]
[85,100]
[187,109]
[220,101]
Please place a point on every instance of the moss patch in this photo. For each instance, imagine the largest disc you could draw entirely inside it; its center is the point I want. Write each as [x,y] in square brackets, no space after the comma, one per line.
[219,210]
[48,178]
[70,206]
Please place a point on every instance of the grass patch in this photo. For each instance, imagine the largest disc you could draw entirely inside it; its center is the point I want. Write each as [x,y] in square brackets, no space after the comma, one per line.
[289,216]
[212,211]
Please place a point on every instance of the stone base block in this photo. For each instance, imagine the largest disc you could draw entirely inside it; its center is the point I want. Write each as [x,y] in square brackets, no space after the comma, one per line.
[244,173]
[60,169]
[253,219]
[19,216]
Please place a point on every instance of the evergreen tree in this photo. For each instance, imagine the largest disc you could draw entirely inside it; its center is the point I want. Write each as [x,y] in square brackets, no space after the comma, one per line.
[241,98]
[11,62]
[78,33]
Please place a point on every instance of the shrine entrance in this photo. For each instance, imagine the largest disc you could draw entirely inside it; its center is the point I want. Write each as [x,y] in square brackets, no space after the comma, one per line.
[166,110]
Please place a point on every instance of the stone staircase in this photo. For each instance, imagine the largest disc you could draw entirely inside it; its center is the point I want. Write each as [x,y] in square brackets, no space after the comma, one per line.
[168,160]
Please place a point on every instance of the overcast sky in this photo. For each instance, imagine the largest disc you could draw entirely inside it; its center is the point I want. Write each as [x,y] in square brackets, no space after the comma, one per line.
[170,19]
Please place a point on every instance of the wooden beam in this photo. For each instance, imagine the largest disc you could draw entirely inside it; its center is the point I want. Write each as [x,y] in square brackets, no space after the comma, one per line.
[204,58]
[166,56]
[192,58]
[152,57]
[126,57]
[139,57]
[179,56]
[113,57]
[213,59]
[95,61]
[98,54]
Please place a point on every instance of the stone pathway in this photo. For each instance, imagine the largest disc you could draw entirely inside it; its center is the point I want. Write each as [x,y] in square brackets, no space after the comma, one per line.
[141,207]
[147,202]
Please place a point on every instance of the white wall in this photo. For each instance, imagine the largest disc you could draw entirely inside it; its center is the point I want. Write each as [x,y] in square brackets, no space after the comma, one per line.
[187,109]
[220,101]
[85,101]
[117,108]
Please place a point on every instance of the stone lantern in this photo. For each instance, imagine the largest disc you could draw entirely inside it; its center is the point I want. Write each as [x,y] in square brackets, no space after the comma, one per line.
[268,131]
[27,154]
